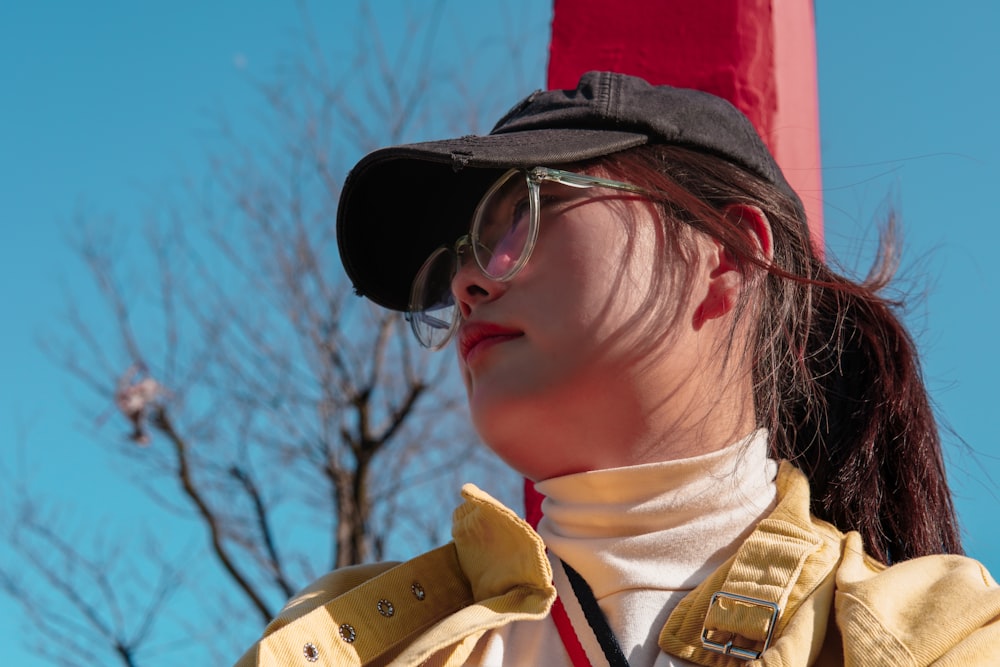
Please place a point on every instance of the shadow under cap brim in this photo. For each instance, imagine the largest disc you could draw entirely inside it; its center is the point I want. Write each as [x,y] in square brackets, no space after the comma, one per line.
[400,203]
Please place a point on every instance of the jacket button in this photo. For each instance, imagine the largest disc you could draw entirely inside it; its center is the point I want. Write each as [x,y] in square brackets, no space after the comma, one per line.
[310,652]
[385,608]
[347,633]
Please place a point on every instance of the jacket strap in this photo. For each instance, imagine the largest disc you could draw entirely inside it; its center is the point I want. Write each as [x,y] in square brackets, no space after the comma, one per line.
[375,618]
[744,613]
[743,607]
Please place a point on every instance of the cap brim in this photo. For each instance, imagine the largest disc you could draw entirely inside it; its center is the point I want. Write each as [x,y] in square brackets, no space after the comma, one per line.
[401,203]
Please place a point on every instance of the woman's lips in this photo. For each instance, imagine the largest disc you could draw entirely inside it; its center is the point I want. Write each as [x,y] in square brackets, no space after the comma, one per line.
[474,338]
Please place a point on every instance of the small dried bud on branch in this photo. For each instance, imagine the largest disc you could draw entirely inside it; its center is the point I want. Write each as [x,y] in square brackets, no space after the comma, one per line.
[133,397]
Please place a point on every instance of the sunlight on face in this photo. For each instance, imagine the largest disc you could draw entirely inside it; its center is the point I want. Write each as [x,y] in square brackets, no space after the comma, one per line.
[584,329]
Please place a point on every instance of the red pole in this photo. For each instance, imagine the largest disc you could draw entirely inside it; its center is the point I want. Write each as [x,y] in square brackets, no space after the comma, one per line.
[758,54]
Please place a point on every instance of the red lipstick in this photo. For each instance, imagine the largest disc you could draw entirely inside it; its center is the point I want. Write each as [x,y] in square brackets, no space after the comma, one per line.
[475,337]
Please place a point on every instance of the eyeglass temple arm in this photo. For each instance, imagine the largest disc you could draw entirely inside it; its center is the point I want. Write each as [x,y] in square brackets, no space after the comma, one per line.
[539,174]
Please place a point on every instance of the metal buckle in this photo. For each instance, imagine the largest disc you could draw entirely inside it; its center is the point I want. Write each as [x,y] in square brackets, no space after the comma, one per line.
[729,648]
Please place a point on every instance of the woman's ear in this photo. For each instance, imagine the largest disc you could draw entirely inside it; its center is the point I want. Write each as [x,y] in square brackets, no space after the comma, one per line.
[726,277]
[755,225]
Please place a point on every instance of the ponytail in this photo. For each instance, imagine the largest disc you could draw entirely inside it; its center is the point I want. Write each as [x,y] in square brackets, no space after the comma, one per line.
[857,420]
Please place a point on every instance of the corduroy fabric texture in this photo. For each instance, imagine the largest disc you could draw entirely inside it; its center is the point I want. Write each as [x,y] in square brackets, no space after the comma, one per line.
[837,605]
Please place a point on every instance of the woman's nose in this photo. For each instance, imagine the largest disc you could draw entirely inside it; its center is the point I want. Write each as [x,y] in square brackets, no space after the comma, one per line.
[471,288]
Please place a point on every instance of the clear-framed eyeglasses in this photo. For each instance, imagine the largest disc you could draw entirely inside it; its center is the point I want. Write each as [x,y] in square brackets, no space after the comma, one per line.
[501,237]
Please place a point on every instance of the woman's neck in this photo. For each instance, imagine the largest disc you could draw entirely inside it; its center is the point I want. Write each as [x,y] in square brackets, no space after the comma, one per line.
[632,421]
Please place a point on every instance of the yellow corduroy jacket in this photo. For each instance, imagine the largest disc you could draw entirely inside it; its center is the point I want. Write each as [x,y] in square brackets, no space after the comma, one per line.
[800,580]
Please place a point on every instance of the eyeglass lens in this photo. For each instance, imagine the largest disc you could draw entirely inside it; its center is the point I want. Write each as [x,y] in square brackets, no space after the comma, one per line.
[500,236]
[502,226]
[433,311]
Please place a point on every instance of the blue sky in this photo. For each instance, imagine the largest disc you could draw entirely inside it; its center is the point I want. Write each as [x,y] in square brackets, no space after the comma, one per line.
[905,109]
[107,104]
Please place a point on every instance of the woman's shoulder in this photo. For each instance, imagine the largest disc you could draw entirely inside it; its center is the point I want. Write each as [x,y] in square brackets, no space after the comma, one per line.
[798,588]
[494,570]
[354,614]
[327,587]
[920,610]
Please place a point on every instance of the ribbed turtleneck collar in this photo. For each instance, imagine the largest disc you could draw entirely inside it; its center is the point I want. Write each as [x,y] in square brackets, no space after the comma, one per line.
[662,526]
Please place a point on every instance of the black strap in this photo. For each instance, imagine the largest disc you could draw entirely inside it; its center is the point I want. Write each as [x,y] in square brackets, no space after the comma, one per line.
[595,618]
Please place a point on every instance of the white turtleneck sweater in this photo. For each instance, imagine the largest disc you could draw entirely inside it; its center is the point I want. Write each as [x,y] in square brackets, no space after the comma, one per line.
[642,537]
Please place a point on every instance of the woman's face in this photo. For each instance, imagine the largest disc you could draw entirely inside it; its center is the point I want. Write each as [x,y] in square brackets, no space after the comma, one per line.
[583,343]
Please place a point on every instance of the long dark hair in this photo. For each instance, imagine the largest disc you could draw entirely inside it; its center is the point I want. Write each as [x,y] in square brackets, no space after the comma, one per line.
[837,378]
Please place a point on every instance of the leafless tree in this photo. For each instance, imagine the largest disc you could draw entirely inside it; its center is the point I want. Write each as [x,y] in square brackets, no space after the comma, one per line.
[90,597]
[239,378]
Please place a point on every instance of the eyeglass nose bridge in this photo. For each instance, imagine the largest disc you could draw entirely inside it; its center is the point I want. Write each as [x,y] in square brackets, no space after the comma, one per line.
[463,253]
[463,247]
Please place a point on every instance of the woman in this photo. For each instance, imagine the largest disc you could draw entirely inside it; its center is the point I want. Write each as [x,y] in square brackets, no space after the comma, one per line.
[644,329]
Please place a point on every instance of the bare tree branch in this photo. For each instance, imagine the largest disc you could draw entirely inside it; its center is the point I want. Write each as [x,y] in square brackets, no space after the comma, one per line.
[184,475]
[296,426]
[95,614]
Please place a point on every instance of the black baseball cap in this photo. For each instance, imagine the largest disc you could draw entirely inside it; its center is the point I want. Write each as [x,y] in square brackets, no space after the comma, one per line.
[400,203]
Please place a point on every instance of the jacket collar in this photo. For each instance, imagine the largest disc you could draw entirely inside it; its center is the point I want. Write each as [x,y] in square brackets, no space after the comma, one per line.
[775,592]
